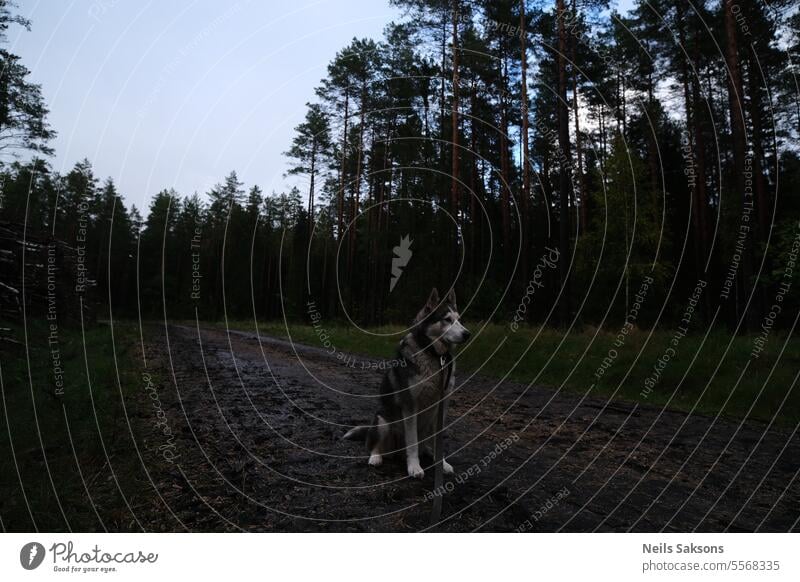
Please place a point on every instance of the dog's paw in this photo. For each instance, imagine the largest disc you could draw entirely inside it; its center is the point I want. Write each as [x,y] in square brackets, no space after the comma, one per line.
[375,460]
[415,471]
[447,468]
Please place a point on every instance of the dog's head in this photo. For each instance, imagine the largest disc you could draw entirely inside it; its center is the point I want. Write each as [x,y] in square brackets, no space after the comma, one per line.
[439,320]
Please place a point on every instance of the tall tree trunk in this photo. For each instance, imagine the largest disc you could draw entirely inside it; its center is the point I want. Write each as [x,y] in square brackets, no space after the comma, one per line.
[652,145]
[762,206]
[700,149]
[758,167]
[377,295]
[442,130]
[584,217]
[603,138]
[311,187]
[526,172]
[357,189]
[426,106]
[473,182]
[368,287]
[454,190]
[505,169]
[343,170]
[736,107]
[618,103]
[564,182]
[694,136]
[623,97]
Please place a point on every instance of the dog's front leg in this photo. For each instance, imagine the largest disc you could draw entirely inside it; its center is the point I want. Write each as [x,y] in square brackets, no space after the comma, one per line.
[412,445]
[447,468]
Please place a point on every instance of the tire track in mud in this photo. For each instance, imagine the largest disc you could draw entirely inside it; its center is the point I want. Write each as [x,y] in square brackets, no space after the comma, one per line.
[258,439]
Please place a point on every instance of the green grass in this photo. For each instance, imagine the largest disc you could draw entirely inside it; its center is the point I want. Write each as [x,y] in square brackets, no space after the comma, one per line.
[708,383]
[71,426]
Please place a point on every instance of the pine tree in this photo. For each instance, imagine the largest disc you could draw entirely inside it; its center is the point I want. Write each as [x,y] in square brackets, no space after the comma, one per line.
[310,147]
[23,123]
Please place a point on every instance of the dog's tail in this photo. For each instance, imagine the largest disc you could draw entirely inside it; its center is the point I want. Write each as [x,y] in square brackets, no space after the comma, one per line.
[358,433]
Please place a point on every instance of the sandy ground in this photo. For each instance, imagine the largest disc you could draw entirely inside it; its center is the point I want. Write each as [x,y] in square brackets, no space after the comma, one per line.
[257,427]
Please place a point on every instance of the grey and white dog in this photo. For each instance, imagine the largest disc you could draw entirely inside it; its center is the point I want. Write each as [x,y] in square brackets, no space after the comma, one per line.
[410,394]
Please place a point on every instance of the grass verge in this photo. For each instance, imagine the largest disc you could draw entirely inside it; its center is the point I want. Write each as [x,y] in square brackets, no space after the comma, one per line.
[708,374]
[65,444]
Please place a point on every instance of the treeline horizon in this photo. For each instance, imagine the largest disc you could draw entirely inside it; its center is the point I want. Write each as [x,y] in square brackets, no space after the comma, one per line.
[654,154]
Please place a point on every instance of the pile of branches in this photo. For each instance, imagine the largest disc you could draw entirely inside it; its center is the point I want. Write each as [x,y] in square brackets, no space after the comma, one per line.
[43,276]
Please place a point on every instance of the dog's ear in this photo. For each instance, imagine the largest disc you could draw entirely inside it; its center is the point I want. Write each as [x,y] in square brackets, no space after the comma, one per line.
[451,298]
[430,305]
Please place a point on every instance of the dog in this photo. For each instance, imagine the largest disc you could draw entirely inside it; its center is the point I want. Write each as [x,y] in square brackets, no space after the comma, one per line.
[411,393]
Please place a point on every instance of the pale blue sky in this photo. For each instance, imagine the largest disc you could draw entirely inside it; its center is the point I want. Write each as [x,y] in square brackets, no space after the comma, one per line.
[177,94]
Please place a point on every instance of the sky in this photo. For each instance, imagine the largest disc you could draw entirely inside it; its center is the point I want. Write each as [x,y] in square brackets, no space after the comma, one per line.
[176,94]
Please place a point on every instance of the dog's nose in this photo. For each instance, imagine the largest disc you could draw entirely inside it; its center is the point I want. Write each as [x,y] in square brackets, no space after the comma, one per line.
[467,334]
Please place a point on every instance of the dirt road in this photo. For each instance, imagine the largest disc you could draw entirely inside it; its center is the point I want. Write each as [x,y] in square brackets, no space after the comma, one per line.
[256,429]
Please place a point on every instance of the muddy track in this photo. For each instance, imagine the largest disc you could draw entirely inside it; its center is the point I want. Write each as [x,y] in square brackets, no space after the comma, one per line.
[257,428]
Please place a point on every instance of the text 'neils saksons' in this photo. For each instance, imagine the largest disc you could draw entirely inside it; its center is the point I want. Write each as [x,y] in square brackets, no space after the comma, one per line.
[664,548]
